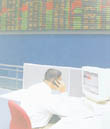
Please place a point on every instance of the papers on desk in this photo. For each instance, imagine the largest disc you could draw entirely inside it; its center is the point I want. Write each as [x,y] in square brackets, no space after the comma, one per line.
[75,107]
[79,116]
[98,109]
[77,123]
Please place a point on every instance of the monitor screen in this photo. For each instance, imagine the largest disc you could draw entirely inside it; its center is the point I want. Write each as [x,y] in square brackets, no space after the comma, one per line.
[96,83]
[90,82]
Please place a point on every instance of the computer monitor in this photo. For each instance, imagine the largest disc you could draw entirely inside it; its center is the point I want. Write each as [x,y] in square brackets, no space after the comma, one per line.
[96,83]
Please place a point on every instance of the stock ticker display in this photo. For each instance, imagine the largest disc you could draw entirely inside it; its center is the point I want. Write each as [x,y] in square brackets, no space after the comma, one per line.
[54,15]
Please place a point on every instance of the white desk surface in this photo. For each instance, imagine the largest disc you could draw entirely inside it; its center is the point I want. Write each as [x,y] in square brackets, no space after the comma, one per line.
[14,95]
[77,123]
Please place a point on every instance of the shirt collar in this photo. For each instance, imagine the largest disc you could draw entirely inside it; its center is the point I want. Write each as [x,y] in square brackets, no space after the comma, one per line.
[47,87]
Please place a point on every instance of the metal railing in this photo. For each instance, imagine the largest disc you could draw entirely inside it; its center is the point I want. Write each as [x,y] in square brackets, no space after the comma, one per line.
[11,76]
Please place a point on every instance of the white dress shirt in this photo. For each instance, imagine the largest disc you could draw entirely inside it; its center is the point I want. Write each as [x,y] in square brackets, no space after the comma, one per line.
[34,103]
[40,104]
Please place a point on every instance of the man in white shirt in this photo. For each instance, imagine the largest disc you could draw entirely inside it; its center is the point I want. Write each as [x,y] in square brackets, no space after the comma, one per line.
[39,101]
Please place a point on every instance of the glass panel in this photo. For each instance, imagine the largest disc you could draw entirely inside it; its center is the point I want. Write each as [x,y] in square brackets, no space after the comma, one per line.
[10,84]
[10,77]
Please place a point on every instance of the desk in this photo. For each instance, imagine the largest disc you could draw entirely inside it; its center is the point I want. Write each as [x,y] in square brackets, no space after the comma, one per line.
[4,91]
[100,121]
[14,95]
[100,110]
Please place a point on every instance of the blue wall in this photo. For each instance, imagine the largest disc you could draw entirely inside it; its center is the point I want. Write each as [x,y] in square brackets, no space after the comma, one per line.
[64,50]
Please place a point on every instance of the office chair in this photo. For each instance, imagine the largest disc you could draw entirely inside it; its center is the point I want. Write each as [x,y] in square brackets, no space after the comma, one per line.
[19,118]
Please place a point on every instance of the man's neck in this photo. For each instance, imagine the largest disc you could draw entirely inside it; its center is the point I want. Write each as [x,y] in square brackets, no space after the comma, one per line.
[49,84]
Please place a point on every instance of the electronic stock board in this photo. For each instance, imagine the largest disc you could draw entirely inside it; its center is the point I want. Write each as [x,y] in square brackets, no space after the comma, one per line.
[57,16]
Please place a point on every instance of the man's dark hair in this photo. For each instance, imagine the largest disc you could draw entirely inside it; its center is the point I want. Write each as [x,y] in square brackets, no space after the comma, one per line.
[52,74]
